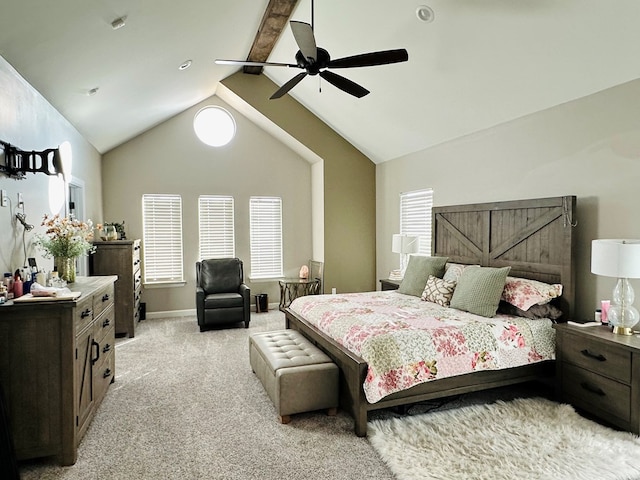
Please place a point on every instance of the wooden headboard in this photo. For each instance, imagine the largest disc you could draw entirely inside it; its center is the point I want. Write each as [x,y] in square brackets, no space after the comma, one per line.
[534,237]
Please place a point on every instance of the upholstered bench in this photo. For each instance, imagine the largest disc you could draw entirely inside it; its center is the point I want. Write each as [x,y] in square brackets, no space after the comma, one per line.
[297,375]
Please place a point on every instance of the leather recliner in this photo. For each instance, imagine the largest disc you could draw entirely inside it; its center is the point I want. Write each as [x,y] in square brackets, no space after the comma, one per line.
[222,297]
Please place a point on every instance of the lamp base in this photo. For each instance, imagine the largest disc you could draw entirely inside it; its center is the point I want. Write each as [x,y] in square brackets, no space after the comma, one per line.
[623,330]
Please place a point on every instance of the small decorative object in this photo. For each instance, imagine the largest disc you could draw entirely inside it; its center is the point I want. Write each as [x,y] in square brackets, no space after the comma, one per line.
[111,231]
[618,258]
[304,272]
[64,240]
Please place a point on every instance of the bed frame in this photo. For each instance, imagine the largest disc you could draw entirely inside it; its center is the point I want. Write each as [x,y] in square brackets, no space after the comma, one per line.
[534,237]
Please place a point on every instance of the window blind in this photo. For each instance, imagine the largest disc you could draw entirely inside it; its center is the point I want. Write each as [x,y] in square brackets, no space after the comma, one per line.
[415,217]
[217,235]
[266,237]
[162,235]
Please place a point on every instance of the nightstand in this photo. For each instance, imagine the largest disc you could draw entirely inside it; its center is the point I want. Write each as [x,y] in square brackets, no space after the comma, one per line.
[386,284]
[599,372]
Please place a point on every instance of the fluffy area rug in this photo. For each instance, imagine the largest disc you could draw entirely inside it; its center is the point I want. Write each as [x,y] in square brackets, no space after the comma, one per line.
[526,438]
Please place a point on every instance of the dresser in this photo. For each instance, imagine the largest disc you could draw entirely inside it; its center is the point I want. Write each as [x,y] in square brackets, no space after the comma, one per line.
[57,359]
[599,372]
[121,258]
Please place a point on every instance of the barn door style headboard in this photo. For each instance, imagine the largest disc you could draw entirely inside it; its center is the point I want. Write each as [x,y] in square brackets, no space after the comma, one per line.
[534,237]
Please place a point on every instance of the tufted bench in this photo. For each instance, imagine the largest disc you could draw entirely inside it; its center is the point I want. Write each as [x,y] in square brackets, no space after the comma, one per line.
[297,376]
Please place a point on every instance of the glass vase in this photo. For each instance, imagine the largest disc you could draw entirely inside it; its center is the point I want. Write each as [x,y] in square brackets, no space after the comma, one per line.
[66,268]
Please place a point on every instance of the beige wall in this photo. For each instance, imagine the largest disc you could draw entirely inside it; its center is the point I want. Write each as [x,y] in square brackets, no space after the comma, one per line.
[29,122]
[589,148]
[349,184]
[170,159]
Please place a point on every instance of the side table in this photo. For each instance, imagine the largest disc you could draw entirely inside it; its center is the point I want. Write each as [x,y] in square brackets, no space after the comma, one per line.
[387,284]
[292,288]
[599,372]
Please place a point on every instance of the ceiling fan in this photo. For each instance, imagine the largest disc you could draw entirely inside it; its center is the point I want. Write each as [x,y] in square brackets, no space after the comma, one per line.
[317,61]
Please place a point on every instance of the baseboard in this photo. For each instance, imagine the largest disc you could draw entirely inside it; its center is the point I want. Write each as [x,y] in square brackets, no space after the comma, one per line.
[192,312]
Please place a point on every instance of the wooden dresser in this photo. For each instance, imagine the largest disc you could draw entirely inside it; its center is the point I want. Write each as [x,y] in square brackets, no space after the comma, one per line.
[57,359]
[121,258]
[599,372]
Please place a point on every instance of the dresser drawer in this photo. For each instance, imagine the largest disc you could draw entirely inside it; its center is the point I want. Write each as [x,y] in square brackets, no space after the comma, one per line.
[83,314]
[102,300]
[105,325]
[135,257]
[596,394]
[599,357]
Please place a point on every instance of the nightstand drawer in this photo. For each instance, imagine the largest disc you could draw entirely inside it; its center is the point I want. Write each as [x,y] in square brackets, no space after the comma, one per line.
[602,358]
[596,394]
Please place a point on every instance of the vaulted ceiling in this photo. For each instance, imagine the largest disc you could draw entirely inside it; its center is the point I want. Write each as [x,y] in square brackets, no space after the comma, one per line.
[479,63]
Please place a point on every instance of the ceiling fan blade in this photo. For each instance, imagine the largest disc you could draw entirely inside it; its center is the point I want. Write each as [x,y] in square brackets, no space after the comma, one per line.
[371,59]
[288,86]
[254,64]
[344,84]
[303,33]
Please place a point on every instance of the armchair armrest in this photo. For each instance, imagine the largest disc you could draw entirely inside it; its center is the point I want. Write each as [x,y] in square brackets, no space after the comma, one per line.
[245,291]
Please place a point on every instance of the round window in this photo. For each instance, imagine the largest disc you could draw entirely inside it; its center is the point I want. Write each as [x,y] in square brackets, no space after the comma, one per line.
[214,126]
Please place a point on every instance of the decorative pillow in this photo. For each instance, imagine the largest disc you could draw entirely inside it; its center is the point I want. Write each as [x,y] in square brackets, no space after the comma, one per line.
[523,293]
[478,290]
[438,291]
[452,271]
[418,270]
[535,311]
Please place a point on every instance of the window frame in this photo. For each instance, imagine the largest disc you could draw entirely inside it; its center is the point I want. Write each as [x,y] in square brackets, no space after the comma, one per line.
[216,226]
[162,223]
[413,205]
[266,255]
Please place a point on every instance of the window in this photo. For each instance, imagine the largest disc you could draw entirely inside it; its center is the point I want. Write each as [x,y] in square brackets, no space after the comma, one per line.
[217,236]
[214,126]
[266,237]
[162,236]
[415,217]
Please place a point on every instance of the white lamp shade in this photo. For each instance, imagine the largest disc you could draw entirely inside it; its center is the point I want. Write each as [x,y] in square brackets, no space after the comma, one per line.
[404,244]
[616,258]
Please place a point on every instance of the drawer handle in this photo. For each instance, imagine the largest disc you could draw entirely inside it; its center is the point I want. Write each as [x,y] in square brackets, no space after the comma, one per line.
[136,262]
[599,357]
[105,297]
[590,388]
[106,348]
[106,323]
[86,313]
[107,373]
[95,344]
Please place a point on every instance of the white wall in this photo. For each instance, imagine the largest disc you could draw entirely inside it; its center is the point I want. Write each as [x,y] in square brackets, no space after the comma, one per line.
[589,148]
[170,159]
[29,122]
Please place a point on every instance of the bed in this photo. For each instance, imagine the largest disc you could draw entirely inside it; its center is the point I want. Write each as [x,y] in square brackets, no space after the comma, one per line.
[532,237]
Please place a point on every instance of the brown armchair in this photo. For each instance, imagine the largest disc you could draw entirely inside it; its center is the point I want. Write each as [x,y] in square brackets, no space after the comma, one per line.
[221,294]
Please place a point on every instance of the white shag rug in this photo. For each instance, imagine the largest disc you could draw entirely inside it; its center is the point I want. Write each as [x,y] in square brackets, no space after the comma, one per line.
[526,438]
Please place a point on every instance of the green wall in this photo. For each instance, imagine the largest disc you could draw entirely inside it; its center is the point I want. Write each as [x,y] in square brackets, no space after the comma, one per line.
[349,184]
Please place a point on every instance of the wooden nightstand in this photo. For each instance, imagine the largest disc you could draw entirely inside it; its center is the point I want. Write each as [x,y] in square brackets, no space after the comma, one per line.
[599,372]
[386,284]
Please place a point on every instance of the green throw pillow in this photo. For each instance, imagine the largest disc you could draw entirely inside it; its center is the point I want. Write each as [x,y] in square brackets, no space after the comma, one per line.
[418,270]
[479,289]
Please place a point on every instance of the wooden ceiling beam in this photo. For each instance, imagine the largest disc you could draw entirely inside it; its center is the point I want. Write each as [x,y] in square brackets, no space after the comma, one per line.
[273,23]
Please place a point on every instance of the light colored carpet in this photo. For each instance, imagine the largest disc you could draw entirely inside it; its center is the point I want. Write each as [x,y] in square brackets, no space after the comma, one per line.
[527,438]
[186,405]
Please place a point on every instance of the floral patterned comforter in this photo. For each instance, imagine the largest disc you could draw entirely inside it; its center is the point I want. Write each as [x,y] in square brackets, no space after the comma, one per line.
[407,341]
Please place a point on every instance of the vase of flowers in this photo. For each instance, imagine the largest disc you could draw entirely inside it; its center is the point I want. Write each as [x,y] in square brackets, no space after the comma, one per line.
[65,240]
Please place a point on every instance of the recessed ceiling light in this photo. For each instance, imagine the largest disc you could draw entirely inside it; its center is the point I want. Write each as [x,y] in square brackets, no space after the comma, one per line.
[425,13]
[93,91]
[185,65]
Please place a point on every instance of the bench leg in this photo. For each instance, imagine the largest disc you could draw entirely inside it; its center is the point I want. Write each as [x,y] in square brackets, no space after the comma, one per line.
[284,419]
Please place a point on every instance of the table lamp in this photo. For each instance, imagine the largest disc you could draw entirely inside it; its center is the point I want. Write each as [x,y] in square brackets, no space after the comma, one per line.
[619,258]
[404,245]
